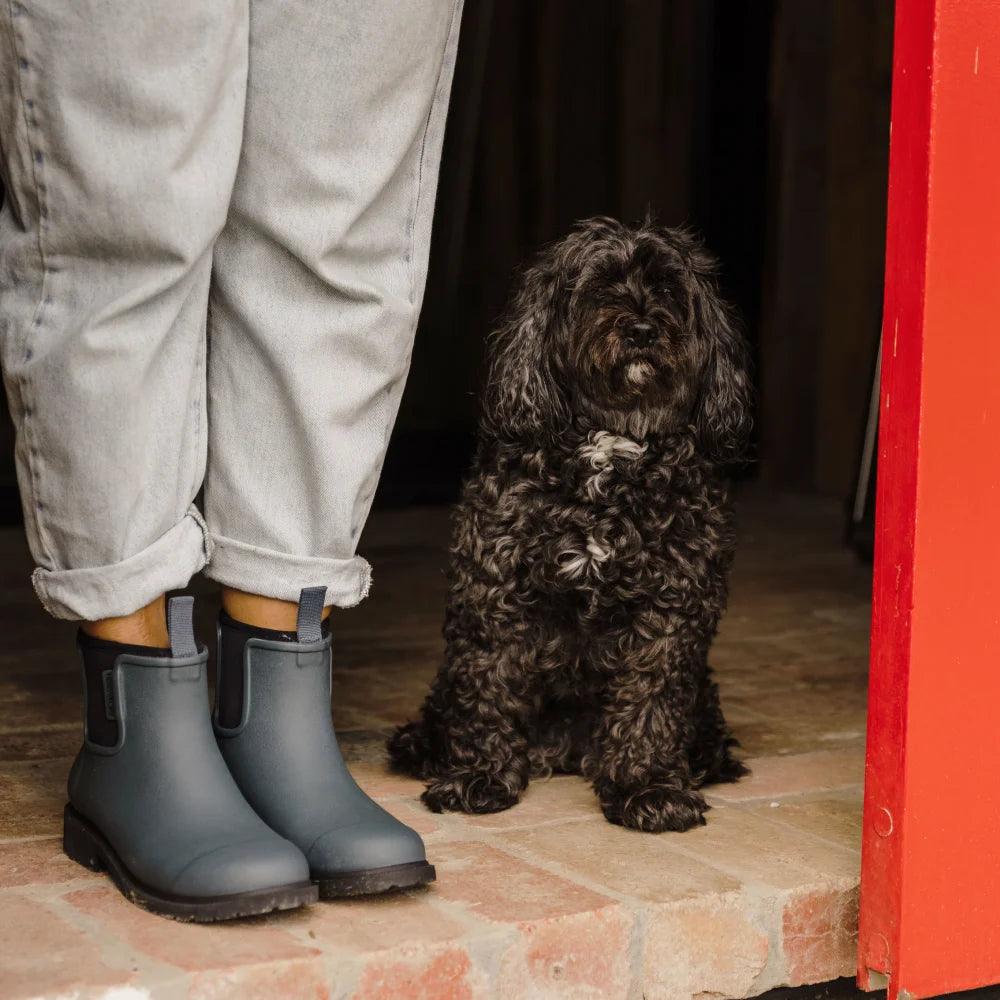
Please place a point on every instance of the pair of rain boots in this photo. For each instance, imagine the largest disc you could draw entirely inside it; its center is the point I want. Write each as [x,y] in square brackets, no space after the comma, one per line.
[249,811]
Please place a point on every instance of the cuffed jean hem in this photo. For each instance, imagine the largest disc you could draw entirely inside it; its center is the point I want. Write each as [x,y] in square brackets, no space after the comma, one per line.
[120,588]
[282,576]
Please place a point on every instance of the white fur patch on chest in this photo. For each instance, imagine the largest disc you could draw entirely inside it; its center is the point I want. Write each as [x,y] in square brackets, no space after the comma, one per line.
[600,451]
[574,562]
[603,447]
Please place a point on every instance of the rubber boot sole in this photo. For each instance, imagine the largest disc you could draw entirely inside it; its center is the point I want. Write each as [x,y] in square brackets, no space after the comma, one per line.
[376,880]
[87,846]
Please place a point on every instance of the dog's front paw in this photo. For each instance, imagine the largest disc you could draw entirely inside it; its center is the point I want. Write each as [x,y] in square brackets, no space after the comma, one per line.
[473,792]
[655,810]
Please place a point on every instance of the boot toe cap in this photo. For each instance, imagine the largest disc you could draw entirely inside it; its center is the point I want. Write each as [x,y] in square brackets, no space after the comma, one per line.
[249,866]
[365,846]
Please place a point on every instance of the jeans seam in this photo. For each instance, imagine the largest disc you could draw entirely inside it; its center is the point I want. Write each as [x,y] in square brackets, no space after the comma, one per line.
[435,102]
[36,159]
[368,488]
[200,404]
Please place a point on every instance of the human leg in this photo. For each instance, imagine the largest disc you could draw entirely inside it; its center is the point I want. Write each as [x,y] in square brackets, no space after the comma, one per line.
[121,127]
[145,627]
[318,279]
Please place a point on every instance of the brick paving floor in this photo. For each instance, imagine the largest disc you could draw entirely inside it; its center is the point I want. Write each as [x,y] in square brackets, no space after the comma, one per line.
[546,900]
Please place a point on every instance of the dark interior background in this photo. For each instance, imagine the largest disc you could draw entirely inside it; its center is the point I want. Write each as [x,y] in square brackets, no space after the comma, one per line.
[764,124]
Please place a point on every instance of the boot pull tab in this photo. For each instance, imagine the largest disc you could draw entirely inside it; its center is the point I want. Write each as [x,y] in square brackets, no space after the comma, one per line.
[309,622]
[180,627]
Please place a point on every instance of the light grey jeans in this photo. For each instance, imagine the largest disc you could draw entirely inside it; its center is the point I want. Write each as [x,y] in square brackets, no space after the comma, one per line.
[212,256]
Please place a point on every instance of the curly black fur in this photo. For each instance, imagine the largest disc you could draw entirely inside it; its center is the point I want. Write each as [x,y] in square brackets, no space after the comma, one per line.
[593,538]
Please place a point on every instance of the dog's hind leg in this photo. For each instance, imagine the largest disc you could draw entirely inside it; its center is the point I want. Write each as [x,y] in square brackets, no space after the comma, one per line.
[411,751]
[712,761]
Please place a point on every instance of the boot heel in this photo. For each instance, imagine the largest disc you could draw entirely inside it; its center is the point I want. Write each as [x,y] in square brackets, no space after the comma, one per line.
[79,844]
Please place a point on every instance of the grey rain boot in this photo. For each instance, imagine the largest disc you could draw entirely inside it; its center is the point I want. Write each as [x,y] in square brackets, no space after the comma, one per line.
[151,800]
[272,720]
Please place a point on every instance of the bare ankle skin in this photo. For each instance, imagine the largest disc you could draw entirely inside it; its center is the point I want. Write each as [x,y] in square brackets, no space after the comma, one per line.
[262,612]
[145,627]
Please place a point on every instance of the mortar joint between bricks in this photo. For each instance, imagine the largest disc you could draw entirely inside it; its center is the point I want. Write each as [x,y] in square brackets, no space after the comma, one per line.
[637,950]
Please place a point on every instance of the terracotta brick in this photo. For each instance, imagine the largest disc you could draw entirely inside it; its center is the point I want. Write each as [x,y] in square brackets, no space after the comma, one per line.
[348,718]
[192,947]
[364,746]
[804,644]
[42,954]
[37,700]
[500,887]
[799,733]
[702,948]
[443,975]
[771,777]
[808,693]
[820,935]
[39,862]
[389,689]
[562,797]
[40,744]
[641,865]
[773,631]
[302,979]
[583,955]
[357,927]
[32,796]
[759,851]
[834,816]
[379,782]
[841,674]
[403,661]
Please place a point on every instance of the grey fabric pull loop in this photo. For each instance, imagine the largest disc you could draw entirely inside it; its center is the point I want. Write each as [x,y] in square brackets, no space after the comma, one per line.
[309,622]
[180,626]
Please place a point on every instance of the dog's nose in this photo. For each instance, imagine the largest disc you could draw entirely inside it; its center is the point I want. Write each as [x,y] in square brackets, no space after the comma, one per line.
[642,333]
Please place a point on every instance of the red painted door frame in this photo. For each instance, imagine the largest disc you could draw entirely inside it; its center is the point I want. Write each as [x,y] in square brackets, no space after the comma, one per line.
[930,884]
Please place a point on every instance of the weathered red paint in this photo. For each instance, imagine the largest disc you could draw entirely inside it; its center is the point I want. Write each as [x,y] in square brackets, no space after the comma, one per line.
[930,885]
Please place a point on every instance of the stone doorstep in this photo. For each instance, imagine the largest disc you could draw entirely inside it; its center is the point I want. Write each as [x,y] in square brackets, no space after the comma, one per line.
[569,908]
[737,945]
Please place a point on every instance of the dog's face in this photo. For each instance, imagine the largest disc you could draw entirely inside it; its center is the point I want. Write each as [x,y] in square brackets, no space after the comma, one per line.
[623,326]
[626,337]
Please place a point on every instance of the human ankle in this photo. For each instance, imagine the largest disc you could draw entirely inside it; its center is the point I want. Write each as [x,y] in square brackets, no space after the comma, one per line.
[145,627]
[262,612]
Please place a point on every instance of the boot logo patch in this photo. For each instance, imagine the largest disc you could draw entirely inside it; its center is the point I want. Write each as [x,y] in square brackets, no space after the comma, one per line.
[107,680]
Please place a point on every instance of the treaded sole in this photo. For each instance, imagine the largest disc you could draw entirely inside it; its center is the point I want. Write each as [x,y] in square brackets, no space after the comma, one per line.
[87,846]
[376,880]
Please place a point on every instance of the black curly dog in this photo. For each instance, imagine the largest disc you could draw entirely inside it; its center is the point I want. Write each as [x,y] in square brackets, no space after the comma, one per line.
[593,538]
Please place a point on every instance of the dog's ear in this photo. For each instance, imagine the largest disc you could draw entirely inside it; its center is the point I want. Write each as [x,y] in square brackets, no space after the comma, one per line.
[523,399]
[722,416]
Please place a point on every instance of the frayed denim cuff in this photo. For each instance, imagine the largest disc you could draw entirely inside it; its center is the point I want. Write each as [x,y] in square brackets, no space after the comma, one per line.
[118,589]
[275,574]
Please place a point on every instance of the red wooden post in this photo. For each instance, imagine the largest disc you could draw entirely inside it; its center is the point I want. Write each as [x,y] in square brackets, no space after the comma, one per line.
[930,884]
